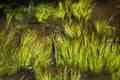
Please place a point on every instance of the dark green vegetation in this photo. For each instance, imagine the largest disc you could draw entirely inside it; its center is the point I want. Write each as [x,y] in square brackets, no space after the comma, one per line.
[78,47]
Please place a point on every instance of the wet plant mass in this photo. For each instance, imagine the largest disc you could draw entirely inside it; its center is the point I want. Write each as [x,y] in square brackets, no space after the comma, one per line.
[58,41]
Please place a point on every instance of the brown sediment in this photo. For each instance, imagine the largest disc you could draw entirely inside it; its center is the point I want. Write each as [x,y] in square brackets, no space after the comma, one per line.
[22,75]
[100,76]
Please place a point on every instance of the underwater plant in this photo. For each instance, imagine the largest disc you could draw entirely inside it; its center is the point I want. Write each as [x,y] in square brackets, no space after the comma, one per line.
[83,47]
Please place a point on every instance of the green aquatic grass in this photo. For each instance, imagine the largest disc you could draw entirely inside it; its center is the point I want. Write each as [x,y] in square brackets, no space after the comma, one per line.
[112,57]
[60,11]
[34,50]
[18,13]
[9,17]
[8,50]
[116,75]
[78,50]
[28,52]
[89,51]
[26,49]
[80,10]
[102,28]
[66,54]
[64,74]
[43,12]
[43,57]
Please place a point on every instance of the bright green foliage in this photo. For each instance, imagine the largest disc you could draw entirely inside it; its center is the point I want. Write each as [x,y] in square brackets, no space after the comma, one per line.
[27,48]
[44,12]
[89,52]
[42,57]
[8,50]
[79,47]
[82,9]
[116,75]
[64,74]
[102,28]
[9,17]
[60,11]
[112,57]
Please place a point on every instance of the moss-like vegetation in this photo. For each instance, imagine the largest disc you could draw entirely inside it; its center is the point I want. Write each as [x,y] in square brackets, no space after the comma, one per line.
[81,46]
